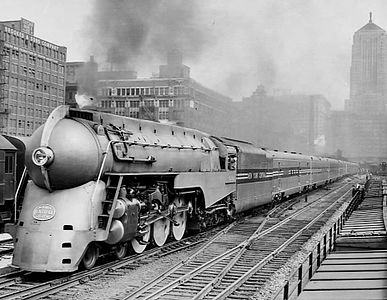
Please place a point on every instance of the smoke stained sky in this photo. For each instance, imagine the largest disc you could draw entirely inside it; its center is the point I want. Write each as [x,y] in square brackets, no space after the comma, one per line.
[231,46]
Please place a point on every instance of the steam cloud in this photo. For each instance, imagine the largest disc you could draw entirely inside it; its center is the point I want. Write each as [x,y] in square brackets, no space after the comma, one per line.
[232,46]
[133,32]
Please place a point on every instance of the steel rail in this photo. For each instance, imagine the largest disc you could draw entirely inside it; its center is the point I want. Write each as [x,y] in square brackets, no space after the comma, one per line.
[154,282]
[151,284]
[213,283]
[238,250]
[228,291]
[56,285]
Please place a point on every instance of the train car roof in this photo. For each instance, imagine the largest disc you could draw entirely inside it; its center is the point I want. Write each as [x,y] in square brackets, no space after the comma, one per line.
[19,142]
[5,144]
[287,155]
[243,146]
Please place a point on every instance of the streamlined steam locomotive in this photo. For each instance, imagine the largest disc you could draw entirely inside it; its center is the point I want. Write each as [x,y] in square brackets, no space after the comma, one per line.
[102,182]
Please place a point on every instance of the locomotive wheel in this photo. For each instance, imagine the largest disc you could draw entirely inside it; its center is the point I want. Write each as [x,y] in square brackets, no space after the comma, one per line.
[140,247]
[160,231]
[180,219]
[121,250]
[91,256]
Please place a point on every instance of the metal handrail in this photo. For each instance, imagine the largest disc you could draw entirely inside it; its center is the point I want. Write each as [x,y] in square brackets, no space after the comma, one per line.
[22,178]
[105,153]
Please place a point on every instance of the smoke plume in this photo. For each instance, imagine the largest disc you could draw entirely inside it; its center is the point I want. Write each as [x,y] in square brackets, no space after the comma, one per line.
[133,32]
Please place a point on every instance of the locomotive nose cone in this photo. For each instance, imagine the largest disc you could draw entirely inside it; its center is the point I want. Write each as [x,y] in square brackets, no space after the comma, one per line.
[42,156]
[70,157]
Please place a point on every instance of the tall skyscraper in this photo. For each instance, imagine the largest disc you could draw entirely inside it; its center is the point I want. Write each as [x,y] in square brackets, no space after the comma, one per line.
[360,130]
[368,91]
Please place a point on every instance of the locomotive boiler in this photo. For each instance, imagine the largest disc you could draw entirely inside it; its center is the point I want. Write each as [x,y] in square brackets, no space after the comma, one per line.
[101,182]
[105,183]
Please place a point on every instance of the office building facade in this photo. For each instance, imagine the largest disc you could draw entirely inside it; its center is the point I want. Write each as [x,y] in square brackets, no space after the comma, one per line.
[170,97]
[363,124]
[32,78]
[368,83]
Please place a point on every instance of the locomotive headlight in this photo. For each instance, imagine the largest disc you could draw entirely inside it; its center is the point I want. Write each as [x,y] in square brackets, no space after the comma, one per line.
[42,156]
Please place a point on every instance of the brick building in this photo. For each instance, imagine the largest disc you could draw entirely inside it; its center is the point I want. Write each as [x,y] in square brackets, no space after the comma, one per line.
[32,76]
[172,96]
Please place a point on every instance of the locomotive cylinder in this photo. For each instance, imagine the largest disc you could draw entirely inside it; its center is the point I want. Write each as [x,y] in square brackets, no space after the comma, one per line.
[116,232]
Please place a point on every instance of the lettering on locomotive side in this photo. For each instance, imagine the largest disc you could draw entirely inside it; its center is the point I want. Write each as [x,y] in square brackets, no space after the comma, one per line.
[43,212]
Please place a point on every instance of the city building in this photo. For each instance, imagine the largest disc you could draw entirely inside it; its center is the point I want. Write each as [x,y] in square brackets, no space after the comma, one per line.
[291,122]
[360,131]
[368,83]
[171,97]
[308,116]
[32,78]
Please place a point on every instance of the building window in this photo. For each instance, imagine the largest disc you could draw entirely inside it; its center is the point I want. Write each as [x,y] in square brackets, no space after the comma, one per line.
[163,115]
[163,103]
[120,103]
[8,163]
[133,114]
[134,103]
[149,103]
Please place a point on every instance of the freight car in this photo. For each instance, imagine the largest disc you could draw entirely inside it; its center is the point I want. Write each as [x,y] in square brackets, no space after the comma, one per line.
[101,182]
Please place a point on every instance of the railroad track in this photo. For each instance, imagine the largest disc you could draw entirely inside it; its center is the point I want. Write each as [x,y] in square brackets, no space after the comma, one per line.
[28,285]
[239,261]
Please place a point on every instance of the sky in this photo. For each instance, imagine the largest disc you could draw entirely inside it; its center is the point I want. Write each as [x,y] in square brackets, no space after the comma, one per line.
[301,46]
